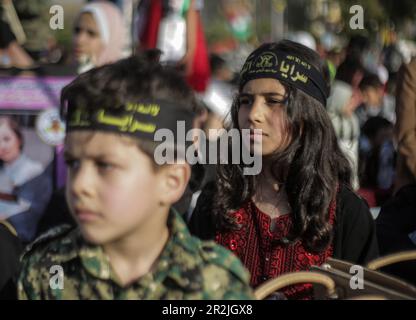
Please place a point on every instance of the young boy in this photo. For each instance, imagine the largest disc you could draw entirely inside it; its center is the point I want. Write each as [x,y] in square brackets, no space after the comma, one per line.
[374,102]
[129,244]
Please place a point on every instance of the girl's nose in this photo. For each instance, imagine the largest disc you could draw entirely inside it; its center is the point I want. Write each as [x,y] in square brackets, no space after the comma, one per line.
[256,112]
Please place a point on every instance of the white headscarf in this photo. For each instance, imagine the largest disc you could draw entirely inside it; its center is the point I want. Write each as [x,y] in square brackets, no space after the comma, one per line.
[112,29]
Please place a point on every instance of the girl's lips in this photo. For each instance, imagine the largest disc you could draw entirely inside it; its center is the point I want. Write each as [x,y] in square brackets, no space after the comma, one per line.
[257,135]
[86,216]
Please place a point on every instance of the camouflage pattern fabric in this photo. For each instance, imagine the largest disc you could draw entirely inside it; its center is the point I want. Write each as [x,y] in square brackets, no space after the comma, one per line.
[187,269]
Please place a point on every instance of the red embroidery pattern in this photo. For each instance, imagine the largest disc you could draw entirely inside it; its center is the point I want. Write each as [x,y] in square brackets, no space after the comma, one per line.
[260,244]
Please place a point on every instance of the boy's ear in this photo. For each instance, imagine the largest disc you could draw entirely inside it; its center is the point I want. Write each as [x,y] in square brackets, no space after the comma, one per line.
[174,180]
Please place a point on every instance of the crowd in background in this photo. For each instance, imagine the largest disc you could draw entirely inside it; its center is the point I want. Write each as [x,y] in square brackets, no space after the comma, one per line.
[372,102]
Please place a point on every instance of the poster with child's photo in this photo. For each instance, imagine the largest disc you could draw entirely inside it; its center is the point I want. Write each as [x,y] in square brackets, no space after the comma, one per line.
[27,167]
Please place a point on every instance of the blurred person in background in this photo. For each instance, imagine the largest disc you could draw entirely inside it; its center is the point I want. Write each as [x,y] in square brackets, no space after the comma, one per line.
[396,231]
[218,99]
[99,35]
[393,58]
[372,60]
[34,17]
[377,160]
[334,58]
[11,52]
[332,49]
[342,102]
[218,96]
[405,128]
[10,249]
[175,27]
[373,102]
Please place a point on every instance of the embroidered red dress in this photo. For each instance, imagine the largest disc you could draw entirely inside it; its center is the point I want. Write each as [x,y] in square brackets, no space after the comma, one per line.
[262,246]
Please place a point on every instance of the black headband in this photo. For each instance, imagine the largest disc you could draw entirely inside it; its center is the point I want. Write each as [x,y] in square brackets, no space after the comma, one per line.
[286,67]
[138,119]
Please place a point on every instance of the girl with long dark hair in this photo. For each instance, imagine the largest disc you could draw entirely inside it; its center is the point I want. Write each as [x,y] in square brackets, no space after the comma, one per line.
[300,210]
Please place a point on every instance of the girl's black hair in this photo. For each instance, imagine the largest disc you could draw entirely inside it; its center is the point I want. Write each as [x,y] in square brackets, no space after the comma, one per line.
[310,168]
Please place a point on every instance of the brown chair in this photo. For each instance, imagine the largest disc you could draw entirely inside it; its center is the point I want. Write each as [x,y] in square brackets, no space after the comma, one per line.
[373,282]
[392,259]
[273,285]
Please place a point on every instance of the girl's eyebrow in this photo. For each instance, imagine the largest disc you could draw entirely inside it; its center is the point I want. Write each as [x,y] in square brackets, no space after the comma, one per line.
[242,95]
[273,94]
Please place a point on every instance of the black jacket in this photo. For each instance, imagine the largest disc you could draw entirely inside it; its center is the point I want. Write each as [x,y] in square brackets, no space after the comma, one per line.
[396,220]
[355,235]
[10,249]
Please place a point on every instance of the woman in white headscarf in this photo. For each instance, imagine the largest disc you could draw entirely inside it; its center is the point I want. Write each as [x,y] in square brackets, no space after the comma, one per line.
[99,35]
[341,106]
